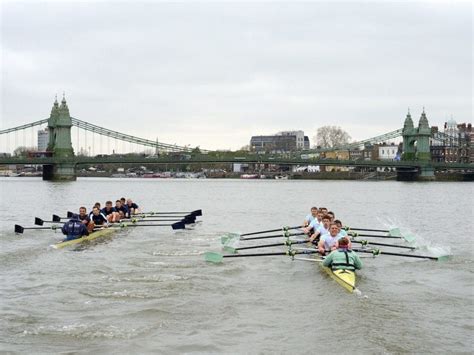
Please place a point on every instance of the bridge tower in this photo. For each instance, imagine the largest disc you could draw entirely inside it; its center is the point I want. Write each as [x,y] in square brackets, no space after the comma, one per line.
[59,126]
[416,147]
[409,139]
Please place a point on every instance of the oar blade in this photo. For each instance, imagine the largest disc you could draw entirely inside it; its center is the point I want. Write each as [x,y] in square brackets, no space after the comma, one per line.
[189,219]
[197,213]
[56,218]
[178,225]
[410,238]
[229,238]
[394,232]
[69,214]
[212,257]
[19,229]
[443,258]
[230,249]
[38,221]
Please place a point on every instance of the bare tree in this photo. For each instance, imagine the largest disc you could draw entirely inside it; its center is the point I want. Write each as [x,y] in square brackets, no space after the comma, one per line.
[331,136]
[23,151]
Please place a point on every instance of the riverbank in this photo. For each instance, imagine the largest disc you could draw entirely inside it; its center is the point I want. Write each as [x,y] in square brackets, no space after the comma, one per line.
[337,175]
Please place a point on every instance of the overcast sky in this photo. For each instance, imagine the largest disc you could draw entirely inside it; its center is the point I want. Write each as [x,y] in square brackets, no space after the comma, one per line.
[214,74]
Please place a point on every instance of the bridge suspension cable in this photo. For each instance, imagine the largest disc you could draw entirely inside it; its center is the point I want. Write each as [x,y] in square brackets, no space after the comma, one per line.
[373,140]
[108,133]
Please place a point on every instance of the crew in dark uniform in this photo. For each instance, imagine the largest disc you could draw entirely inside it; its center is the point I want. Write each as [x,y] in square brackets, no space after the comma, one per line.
[83,216]
[132,208]
[97,219]
[110,212]
[121,209]
[74,229]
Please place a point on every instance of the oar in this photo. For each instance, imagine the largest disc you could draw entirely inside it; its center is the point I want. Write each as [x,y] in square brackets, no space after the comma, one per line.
[287,242]
[218,258]
[229,237]
[392,232]
[354,234]
[19,229]
[409,237]
[195,213]
[57,218]
[284,229]
[40,222]
[186,220]
[366,242]
[376,252]
[177,225]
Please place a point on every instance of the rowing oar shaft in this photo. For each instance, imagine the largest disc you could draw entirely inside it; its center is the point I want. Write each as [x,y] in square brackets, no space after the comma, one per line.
[195,213]
[365,243]
[367,230]
[40,222]
[273,245]
[19,229]
[379,252]
[177,225]
[374,236]
[270,230]
[269,254]
[273,236]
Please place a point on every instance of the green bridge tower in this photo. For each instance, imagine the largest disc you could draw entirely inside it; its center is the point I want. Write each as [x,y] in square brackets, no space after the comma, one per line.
[416,147]
[59,129]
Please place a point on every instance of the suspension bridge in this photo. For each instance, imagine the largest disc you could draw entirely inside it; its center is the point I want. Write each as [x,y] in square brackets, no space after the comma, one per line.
[70,142]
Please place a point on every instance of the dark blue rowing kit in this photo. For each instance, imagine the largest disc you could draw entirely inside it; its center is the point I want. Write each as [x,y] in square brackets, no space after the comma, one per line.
[74,229]
[98,220]
[106,211]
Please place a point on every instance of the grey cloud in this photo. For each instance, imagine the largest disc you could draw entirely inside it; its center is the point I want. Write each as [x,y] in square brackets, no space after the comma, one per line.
[210,74]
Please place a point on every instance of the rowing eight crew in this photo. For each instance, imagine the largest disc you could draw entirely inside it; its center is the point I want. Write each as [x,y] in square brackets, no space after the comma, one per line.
[82,224]
[327,232]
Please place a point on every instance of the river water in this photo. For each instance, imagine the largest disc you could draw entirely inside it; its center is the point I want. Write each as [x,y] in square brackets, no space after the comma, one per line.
[149,290]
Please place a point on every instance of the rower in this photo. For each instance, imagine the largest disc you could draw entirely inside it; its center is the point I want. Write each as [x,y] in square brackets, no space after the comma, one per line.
[342,231]
[332,215]
[110,212]
[97,219]
[310,217]
[74,229]
[132,208]
[321,229]
[83,216]
[121,210]
[343,257]
[328,241]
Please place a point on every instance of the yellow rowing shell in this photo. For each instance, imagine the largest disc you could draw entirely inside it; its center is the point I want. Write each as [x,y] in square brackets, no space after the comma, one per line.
[98,234]
[345,278]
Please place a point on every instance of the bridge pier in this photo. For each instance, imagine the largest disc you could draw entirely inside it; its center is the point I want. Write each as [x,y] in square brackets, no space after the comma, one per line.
[59,172]
[424,173]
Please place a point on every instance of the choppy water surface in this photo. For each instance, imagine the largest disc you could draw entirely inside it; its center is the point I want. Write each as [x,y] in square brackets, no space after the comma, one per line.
[149,290]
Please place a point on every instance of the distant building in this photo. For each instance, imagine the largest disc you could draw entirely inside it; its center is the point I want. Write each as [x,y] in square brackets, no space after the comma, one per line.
[340,154]
[282,142]
[43,137]
[387,152]
[369,152]
[356,154]
[454,144]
